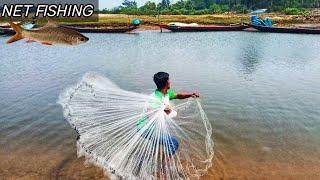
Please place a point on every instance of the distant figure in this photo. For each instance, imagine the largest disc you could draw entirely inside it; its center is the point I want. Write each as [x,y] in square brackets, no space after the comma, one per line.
[136,22]
[34,20]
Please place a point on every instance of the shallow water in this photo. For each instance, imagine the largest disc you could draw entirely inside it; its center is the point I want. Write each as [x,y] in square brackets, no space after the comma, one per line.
[260,91]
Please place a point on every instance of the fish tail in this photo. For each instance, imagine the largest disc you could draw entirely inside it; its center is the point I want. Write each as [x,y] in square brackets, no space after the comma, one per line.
[18,36]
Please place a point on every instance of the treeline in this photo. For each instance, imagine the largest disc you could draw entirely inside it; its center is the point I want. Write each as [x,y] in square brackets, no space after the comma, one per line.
[198,7]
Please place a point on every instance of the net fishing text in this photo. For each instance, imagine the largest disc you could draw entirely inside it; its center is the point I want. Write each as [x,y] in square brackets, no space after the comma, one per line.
[47,10]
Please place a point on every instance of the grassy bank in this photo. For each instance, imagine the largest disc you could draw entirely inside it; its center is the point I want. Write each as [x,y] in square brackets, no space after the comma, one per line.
[225,19]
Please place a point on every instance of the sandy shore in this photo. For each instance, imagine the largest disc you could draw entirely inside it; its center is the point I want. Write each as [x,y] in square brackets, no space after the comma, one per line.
[31,164]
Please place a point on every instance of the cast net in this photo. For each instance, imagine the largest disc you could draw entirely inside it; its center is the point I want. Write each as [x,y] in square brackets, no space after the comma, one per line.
[137,136]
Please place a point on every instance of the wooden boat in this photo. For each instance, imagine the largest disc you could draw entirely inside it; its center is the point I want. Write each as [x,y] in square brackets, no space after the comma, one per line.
[4,26]
[286,30]
[7,25]
[2,32]
[202,28]
[6,31]
[102,30]
[9,31]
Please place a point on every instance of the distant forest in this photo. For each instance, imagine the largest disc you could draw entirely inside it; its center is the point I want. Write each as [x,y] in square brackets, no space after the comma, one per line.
[198,7]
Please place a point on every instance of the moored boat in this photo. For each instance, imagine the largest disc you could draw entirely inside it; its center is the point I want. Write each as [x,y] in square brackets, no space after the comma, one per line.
[102,30]
[286,30]
[181,27]
[6,31]
[4,26]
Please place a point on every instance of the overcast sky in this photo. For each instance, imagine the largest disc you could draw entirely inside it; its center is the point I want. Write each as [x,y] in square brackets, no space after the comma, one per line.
[113,3]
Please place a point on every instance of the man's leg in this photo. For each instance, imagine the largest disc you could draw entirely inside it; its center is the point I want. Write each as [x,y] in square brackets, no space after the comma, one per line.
[171,145]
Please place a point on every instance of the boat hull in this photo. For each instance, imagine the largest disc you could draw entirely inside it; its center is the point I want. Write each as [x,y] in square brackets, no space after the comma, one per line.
[102,30]
[203,28]
[6,31]
[286,30]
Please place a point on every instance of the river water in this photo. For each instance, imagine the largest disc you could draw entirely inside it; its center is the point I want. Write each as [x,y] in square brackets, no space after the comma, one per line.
[259,90]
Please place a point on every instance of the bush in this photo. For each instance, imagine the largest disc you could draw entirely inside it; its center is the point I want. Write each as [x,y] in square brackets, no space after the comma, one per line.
[130,10]
[219,9]
[240,9]
[225,8]
[185,11]
[275,8]
[165,12]
[216,9]
[295,11]
[202,12]
[176,12]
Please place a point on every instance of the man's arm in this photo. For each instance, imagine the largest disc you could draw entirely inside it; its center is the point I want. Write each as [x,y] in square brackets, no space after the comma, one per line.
[187,95]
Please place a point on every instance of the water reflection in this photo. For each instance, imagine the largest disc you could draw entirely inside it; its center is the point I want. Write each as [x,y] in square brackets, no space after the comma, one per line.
[250,58]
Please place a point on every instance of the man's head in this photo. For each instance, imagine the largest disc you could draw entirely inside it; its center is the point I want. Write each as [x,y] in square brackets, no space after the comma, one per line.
[162,80]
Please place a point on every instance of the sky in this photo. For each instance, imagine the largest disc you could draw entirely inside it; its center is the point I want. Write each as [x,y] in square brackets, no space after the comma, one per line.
[113,3]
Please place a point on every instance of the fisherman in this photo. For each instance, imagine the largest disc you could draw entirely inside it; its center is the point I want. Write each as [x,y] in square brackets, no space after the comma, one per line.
[163,95]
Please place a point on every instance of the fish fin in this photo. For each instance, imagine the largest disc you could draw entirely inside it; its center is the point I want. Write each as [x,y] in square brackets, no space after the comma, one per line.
[45,43]
[18,36]
[30,41]
[51,23]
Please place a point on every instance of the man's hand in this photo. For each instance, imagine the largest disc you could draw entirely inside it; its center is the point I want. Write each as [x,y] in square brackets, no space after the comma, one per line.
[187,95]
[195,95]
[167,110]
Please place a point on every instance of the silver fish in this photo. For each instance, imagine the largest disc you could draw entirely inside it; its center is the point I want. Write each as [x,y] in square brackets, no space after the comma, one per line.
[50,34]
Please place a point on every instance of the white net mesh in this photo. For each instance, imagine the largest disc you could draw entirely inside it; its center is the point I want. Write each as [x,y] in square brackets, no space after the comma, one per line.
[130,134]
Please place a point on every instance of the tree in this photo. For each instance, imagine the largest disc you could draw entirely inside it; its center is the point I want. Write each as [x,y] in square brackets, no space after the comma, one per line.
[199,4]
[165,3]
[208,3]
[189,5]
[216,9]
[149,6]
[216,6]
[129,4]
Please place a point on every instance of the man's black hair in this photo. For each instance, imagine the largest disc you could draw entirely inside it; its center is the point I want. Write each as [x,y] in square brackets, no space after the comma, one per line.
[161,79]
